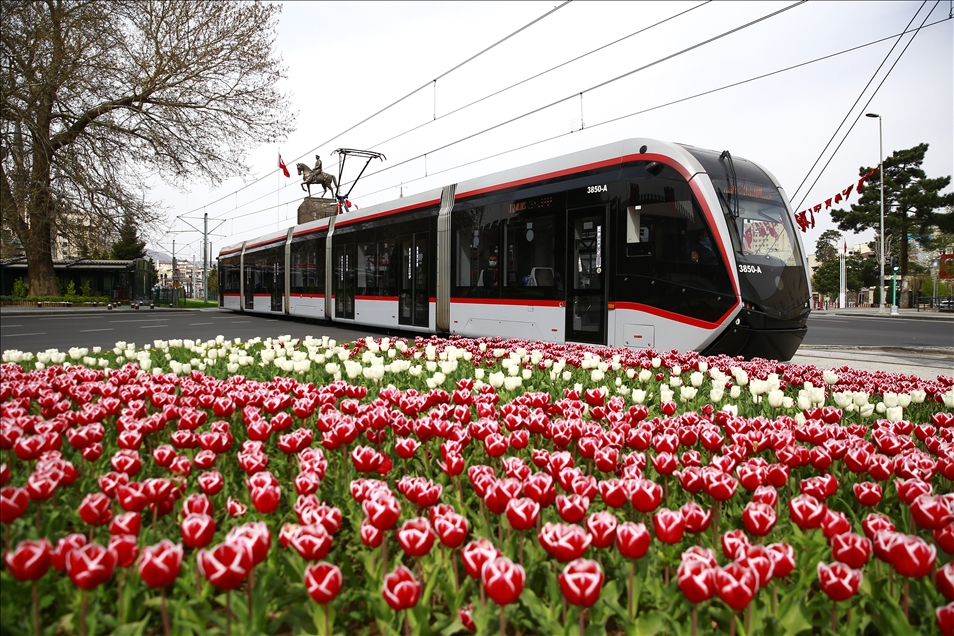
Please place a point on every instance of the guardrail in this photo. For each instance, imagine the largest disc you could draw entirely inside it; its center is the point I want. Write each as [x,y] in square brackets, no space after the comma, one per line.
[934,303]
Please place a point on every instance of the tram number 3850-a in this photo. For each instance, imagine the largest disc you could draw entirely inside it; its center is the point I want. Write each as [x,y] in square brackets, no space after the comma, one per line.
[597,188]
[750,269]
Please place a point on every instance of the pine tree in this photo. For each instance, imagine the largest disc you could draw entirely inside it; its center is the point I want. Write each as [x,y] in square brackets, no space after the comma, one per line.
[129,247]
[913,203]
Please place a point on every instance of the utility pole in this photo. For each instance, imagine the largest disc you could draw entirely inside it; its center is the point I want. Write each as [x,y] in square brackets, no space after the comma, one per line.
[205,258]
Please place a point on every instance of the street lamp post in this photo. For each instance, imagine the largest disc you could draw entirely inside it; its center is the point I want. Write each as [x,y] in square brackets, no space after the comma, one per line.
[881,172]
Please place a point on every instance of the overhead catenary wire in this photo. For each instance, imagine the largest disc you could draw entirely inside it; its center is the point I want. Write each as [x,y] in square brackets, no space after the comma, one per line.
[858,116]
[511,86]
[405,97]
[633,114]
[858,99]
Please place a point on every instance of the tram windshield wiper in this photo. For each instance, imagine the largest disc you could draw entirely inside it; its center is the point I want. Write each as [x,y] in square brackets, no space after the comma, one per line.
[734,184]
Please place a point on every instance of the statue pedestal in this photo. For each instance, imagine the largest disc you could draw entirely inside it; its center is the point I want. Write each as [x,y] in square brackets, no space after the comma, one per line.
[313,208]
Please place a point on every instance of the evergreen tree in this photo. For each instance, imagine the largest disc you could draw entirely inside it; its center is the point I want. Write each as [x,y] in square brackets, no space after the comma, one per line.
[129,247]
[828,246]
[913,203]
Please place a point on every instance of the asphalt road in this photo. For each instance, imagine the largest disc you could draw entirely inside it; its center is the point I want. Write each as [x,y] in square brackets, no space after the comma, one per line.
[29,331]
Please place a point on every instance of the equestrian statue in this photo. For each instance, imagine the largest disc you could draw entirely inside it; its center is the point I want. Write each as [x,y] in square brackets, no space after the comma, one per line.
[317,177]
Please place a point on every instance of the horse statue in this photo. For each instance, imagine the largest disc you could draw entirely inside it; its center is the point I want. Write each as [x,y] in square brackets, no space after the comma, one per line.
[325,180]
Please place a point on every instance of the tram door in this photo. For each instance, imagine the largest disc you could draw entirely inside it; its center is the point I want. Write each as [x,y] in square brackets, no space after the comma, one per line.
[278,285]
[586,268]
[343,280]
[250,282]
[413,302]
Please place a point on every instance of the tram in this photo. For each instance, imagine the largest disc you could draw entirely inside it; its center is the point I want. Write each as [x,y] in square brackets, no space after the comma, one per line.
[638,243]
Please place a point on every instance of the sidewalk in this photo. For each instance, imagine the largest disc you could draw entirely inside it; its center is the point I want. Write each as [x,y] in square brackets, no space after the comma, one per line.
[923,314]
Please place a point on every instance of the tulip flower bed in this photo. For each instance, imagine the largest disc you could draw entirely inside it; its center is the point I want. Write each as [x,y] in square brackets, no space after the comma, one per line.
[448,486]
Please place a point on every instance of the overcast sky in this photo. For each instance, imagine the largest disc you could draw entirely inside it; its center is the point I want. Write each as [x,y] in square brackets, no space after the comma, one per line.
[346,61]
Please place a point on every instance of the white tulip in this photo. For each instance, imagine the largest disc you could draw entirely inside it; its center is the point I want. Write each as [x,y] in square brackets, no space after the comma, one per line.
[735,392]
[775,398]
[894,414]
[696,378]
[687,393]
[830,376]
[716,395]
[496,379]
[639,396]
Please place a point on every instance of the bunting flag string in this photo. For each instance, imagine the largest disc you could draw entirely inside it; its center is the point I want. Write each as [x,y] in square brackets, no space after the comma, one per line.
[806,218]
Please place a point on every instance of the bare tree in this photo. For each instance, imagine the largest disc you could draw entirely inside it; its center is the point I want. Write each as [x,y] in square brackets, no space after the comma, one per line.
[98,96]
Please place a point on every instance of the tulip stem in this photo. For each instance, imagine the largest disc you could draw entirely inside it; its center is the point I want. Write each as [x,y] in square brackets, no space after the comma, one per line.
[715,522]
[834,616]
[632,573]
[904,603]
[36,609]
[384,557]
[581,622]
[165,615]
[695,619]
[407,624]
[249,587]
[327,620]
[82,624]
[228,613]
[732,624]
[503,622]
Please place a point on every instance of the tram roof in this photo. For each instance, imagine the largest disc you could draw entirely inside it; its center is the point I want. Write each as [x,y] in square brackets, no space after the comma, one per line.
[607,155]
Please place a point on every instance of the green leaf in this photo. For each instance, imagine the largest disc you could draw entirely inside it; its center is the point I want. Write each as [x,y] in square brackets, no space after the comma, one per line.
[795,620]
[647,624]
[540,613]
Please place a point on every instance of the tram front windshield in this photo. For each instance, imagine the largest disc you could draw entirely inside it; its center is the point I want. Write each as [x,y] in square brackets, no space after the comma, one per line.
[762,233]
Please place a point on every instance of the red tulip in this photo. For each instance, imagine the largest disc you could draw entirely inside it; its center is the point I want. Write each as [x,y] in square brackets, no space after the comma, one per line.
[236,508]
[932,512]
[89,565]
[63,547]
[366,459]
[669,526]
[125,547]
[225,566]
[416,537]
[944,581]
[581,582]
[323,582]
[197,530]
[695,580]
[13,503]
[211,482]
[255,537]
[451,529]
[602,527]
[944,538]
[868,493]
[736,585]
[838,580]
[161,563]
[806,511]
[371,536]
[475,554]
[734,544]
[564,542]
[851,549]
[406,447]
[572,508]
[311,542]
[875,523]
[382,509]
[696,517]
[503,580]
[613,492]
[719,485]
[783,559]
[266,499]
[401,590]
[911,556]
[766,494]
[540,488]
[29,560]
[645,495]
[465,614]
[835,523]
[632,540]
[944,616]
[911,489]
[758,518]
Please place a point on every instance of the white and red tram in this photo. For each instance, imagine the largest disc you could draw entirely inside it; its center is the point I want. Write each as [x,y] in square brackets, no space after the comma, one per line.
[638,243]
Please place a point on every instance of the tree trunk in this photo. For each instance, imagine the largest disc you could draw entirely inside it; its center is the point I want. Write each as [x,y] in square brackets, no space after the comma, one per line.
[39,255]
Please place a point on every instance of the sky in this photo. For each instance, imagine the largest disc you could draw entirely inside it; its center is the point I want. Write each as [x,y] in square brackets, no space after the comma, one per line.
[346,61]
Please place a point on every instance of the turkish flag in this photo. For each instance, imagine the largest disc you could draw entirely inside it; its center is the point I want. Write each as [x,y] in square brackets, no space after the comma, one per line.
[284,168]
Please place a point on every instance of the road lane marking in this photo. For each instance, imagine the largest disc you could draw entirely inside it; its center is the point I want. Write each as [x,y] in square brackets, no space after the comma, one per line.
[8,326]
[146,320]
[88,330]
[39,333]
[239,322]
[153,326]
[193,324]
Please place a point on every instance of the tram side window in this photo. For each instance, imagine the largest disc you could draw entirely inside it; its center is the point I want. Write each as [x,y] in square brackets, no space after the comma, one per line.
[663,221]
[477,250]
[382,267]
[366,281]
[529,244]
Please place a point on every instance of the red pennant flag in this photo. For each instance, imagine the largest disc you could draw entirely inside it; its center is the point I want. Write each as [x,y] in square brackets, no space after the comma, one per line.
[283,167]
[846,247]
